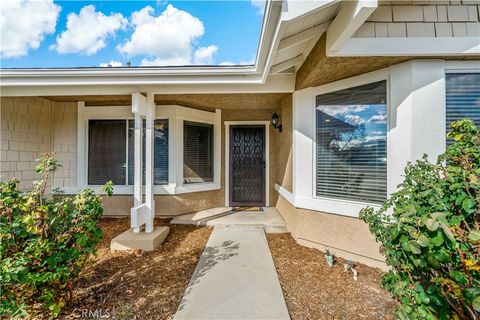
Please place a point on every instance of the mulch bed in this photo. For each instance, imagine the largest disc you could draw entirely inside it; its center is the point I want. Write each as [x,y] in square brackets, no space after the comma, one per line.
[313,290]
[137,285]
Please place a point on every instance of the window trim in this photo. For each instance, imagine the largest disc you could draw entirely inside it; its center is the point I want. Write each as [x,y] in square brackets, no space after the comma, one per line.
[326,201]
[304,185]
[175,115]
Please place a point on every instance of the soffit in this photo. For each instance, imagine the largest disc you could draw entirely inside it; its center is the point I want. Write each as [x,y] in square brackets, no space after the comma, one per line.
[198,101]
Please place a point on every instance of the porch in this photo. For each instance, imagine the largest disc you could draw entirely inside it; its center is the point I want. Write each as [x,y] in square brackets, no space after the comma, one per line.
[85,134]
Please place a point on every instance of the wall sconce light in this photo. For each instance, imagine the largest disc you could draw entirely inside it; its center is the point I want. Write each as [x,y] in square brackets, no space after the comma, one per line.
[276,122]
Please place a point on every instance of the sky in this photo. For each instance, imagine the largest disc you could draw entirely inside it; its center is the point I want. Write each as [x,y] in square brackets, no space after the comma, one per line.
[58,34]
[372,117]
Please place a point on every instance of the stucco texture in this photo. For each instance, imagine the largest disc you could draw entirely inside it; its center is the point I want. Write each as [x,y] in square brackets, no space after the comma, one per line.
[320,69]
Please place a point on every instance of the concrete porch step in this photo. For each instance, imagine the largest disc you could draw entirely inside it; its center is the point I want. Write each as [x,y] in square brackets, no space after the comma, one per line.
[269,218]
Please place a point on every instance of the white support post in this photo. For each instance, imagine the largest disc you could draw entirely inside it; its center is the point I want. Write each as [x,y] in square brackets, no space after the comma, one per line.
[137,213]
[149,151]
[137,171]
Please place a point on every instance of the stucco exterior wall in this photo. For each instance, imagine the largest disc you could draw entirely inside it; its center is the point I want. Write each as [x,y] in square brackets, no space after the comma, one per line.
[282,155]
[440,19]
[26,133]
[345,237]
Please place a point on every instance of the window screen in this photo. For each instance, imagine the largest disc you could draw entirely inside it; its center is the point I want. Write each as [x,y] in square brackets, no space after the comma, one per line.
[463,98]
[351,144]
[197,152]
[106,151]
[160,152]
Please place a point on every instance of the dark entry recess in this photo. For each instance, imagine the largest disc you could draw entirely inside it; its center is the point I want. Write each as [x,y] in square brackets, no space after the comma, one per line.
[247,165]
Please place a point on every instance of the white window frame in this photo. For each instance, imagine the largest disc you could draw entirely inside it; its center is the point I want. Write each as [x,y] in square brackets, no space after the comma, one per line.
[416,117]
[306,197]
[175,115]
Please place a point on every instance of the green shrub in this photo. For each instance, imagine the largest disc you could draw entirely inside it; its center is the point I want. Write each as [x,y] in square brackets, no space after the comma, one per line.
[429,231]
[44,242]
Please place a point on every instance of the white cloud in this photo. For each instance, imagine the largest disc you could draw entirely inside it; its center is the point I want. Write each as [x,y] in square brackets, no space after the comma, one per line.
[241,63]
[259,5]
[378,118]
[334,110]
[142,16]
[204,55]
[167,39]
[354,119]
[24,25]
[112,63]
[87,32]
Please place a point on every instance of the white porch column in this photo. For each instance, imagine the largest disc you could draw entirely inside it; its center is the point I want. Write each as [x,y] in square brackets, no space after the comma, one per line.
[149,148]
[137,171]
[142,213]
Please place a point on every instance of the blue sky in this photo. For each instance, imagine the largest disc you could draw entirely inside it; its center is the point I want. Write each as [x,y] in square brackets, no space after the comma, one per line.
[47,33]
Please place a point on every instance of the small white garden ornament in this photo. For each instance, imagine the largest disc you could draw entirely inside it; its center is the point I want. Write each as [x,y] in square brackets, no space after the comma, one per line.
[349,267]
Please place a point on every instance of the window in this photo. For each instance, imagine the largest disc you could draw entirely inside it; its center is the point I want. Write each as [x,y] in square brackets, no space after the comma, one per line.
[351,144]
[160,151]
[107,151]
[463,98]
[197,152]
[111,158]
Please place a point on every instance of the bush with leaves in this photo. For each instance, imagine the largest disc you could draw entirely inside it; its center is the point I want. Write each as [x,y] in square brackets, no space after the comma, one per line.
[429,231]
[44,243]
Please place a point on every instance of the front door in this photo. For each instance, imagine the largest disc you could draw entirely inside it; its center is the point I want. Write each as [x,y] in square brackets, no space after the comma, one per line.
[247,166]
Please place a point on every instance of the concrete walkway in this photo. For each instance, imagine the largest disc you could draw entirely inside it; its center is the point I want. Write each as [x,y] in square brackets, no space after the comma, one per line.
[234,279]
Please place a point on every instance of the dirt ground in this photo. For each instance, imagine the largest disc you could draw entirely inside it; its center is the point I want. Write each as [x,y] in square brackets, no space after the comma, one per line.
[150,285]
[313,290]
[141,285]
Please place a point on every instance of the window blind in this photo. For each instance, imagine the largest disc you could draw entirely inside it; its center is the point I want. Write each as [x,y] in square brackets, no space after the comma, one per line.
[463,98]
[351,144]
[197,152]
[106,151]
[160,151]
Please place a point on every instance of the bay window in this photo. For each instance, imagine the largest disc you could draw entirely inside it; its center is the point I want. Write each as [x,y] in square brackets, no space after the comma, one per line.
[186,148]
[351,144]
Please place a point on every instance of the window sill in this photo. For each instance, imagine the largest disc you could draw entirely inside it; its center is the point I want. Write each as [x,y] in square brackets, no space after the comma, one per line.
[339,207]
[170,189]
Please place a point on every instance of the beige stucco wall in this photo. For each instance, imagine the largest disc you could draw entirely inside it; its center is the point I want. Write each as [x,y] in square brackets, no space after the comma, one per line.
[345,237]
[282,154]
[26,133]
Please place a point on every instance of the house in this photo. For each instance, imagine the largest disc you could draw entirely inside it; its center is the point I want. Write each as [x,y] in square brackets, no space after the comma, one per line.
[359,88]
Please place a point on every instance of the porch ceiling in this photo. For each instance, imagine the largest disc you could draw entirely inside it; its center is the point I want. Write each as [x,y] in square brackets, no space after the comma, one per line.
[198,101]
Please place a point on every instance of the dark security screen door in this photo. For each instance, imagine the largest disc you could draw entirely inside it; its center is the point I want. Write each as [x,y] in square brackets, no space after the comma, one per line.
[247,166]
